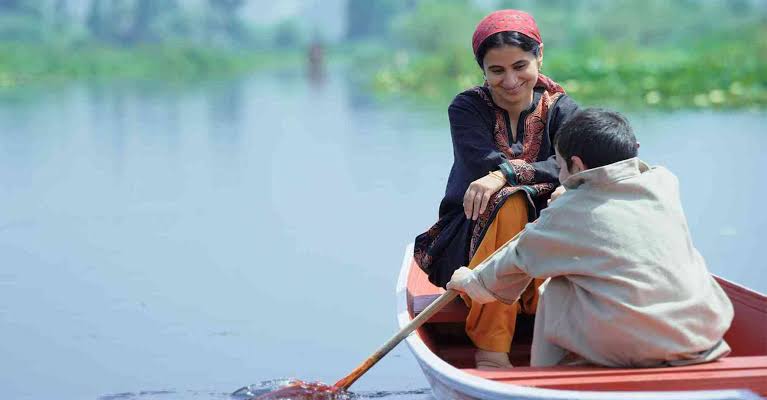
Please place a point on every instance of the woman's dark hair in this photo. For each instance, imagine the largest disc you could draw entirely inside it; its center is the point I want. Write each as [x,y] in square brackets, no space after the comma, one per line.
[598,136]
[506,38]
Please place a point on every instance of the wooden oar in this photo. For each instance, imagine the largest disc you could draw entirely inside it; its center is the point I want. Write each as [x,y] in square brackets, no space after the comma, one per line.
[302,390]
[424,316]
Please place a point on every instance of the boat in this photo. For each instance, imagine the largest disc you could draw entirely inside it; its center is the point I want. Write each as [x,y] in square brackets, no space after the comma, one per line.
[446,356]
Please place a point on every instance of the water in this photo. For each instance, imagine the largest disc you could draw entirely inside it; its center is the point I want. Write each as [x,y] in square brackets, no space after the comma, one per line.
[179,242]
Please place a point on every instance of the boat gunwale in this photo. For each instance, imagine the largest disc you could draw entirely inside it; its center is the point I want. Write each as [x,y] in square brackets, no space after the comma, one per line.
[744,295]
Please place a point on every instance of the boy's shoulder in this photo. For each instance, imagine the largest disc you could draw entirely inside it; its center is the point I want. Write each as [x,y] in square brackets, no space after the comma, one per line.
[658,177]
[599,199]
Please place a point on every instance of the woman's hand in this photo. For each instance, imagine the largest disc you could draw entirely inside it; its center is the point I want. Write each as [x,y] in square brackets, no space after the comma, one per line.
[557,192]
[478,194]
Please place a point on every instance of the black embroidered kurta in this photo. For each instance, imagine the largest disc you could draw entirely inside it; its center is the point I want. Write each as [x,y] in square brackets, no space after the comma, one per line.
[482,142]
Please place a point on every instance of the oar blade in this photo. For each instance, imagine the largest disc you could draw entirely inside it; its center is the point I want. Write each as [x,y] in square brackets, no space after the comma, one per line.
[292,389]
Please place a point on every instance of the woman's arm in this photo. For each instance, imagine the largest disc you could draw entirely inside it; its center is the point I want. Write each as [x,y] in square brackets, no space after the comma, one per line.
[472,134]
[475,153]
[519,172]
[478,194]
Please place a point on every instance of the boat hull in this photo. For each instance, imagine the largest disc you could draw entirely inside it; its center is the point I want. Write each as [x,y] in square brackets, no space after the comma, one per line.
[450,382]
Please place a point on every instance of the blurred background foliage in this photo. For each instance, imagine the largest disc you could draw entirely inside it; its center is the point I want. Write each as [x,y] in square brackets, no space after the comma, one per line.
[167,39]
[654,53]
[650,53]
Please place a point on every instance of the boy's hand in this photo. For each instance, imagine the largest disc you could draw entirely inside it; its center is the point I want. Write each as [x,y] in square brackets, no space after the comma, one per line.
[478,195]
[465,280]
[558,192]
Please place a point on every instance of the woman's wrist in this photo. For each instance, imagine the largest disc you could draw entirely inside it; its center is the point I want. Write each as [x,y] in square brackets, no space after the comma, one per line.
[507,170]
[498,175]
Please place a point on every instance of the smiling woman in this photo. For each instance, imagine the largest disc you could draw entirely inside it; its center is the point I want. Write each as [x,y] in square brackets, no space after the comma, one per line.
[504,169]
[511,63]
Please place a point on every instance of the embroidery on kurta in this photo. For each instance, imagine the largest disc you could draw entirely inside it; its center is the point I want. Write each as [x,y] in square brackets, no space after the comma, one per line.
[535,128]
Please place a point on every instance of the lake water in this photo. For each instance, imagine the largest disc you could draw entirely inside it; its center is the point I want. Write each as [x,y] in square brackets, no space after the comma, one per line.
[181,241]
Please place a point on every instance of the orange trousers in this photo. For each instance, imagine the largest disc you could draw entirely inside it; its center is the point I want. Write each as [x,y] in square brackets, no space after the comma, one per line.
[491,326]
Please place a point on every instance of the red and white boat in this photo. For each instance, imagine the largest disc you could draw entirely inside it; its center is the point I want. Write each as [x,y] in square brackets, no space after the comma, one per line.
[446,357]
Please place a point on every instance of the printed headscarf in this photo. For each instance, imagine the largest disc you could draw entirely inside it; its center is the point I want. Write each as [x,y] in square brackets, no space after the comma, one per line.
[512,21]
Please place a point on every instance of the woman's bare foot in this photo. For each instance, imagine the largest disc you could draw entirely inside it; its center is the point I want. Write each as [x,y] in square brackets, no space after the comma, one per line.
[492,360]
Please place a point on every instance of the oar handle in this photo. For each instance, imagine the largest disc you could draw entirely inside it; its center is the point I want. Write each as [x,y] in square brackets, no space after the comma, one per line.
[419,320]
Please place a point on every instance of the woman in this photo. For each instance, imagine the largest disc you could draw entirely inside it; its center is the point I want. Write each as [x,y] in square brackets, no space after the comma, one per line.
[503,173]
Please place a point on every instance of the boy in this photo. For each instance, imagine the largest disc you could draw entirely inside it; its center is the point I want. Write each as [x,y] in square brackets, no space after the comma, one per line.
[626,287]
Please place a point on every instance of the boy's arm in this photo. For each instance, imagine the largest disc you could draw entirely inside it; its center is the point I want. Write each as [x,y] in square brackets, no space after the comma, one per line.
[497,278]
[545,249]
[502,274]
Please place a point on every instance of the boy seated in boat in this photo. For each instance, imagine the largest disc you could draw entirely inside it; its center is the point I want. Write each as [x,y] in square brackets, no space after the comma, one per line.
[625,286]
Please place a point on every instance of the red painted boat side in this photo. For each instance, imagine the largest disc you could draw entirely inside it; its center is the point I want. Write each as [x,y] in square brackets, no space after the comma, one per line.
[748,333]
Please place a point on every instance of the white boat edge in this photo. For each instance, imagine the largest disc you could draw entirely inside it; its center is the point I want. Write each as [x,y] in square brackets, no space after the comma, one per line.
[448,382]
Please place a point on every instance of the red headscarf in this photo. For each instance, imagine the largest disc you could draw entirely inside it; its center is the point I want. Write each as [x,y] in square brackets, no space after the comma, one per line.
[512,21]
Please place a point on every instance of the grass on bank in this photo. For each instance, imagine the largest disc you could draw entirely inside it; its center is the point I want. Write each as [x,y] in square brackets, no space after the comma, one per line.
[24,63]
[710,73]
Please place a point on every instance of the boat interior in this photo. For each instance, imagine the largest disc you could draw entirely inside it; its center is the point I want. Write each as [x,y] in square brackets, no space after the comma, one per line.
[745,367]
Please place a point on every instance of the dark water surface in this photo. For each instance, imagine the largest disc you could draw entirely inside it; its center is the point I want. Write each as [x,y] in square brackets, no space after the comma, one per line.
[161,242]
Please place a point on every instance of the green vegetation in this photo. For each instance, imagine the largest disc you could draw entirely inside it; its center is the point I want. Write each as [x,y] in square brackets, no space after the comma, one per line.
[631,53]
[686,54]
[23,64]
[43,41]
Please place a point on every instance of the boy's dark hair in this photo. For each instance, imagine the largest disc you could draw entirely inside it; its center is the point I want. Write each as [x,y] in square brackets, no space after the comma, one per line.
[506,38]
[598,136]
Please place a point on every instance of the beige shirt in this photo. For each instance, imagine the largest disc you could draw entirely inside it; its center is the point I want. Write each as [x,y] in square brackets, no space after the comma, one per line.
[626,286]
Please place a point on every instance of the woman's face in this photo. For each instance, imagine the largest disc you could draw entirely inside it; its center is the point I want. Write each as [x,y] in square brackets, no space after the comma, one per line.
[511,74]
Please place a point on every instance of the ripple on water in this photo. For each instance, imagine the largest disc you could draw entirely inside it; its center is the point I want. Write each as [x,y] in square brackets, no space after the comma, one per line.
[254,391]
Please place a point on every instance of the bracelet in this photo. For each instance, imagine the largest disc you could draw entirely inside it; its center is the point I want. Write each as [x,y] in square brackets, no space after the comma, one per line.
[498,175]
[507,169]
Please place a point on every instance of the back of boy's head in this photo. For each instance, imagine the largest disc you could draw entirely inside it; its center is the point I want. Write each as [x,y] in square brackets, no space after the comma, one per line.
[598,136]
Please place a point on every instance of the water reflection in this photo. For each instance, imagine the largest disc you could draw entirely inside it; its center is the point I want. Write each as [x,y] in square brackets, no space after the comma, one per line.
[248,392]
[159,239]
[226,104]
[315,63]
